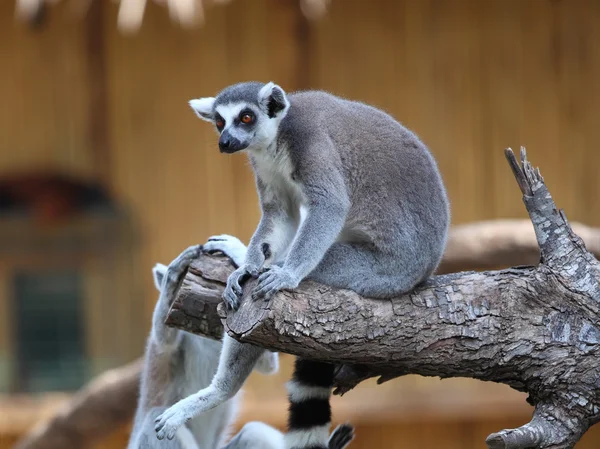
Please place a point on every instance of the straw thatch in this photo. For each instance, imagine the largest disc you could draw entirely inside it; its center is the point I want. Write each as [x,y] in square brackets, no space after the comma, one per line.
[187,13]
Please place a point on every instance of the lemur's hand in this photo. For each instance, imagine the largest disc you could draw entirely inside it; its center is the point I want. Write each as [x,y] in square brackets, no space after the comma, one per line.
[229,245]
[273,280]
[233,291]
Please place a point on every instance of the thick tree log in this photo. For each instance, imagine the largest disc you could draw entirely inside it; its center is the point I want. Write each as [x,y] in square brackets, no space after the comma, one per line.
[536,329]
[480,245]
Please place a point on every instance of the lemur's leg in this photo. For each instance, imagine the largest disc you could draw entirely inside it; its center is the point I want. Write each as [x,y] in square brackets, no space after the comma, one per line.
[232,247]
[235,365]
[167,281]
[236,362]
[269,243]
[368,272]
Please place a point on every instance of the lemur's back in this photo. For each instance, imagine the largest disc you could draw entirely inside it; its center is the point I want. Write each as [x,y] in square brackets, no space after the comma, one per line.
[407,195]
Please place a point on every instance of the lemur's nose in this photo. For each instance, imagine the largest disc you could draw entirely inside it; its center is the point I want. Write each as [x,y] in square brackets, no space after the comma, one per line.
[230,144]
[224,143]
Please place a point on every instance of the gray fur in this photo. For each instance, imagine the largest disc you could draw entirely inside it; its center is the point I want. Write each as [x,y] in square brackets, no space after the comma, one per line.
[246,92]
[178,364]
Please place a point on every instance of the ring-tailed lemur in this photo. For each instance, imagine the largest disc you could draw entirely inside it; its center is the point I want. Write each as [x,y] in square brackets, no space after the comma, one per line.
[349,197]
[178,363]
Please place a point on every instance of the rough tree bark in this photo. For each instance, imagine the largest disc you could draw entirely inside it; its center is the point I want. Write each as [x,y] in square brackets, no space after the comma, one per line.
[480,245]
[536,329]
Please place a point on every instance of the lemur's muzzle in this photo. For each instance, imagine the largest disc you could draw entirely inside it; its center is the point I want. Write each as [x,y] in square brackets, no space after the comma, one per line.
[229,144]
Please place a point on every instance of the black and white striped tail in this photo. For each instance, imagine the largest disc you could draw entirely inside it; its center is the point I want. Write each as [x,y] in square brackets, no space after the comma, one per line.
[310,412]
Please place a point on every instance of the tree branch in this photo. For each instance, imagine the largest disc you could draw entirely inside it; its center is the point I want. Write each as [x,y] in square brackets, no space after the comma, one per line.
[486,245]
[491,326]
[535,329]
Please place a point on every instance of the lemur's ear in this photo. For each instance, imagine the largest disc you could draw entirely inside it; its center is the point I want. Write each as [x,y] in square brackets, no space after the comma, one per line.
[158,273]
[203,107]
[272,100]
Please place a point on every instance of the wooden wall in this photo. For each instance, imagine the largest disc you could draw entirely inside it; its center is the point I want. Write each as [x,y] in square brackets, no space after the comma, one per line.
[471,77]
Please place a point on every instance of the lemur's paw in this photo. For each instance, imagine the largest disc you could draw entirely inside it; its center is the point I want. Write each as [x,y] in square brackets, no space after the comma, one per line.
[232,300]
[229,245]
[233,290]
[272,281]
[166,424]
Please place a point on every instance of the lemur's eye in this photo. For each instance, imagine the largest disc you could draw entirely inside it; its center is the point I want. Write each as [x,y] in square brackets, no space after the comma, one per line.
[220,123]
[247,117]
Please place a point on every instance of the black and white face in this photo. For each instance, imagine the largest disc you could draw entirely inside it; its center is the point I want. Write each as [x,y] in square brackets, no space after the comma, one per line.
[246,115]
[237,125]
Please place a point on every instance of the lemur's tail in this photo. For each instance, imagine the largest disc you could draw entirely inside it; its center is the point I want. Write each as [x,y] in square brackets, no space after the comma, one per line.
[310,412]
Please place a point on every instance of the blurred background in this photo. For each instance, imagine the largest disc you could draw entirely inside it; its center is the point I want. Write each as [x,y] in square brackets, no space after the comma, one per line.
[105,170]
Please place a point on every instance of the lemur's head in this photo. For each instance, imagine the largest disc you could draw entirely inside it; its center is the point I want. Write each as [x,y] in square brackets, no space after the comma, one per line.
[246,115]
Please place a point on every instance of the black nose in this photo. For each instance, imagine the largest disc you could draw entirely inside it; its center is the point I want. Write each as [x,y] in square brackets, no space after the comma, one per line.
[224,143]
[229,144]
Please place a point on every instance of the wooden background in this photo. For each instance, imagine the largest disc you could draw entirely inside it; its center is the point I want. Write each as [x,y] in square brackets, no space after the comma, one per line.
[471,77]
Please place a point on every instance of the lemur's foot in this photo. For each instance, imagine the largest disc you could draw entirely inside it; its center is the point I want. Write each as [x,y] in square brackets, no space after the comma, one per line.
[341,436]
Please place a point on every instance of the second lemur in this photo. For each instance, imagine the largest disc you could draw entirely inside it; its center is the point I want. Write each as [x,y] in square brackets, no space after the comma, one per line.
[178,363]
[349,198]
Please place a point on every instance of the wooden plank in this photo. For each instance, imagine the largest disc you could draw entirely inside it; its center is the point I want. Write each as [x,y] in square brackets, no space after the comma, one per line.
[98,130]
[43,86]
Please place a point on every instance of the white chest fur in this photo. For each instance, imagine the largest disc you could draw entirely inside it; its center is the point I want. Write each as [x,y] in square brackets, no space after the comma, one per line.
[274,169]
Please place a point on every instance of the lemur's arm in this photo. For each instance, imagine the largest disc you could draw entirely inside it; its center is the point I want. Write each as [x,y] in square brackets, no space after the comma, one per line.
[236,362]
[163,342]
[271,239]
[275,230]
[327,205]
[167,280]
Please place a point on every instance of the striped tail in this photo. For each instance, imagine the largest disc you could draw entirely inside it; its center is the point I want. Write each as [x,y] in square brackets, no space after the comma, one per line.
[309,411]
